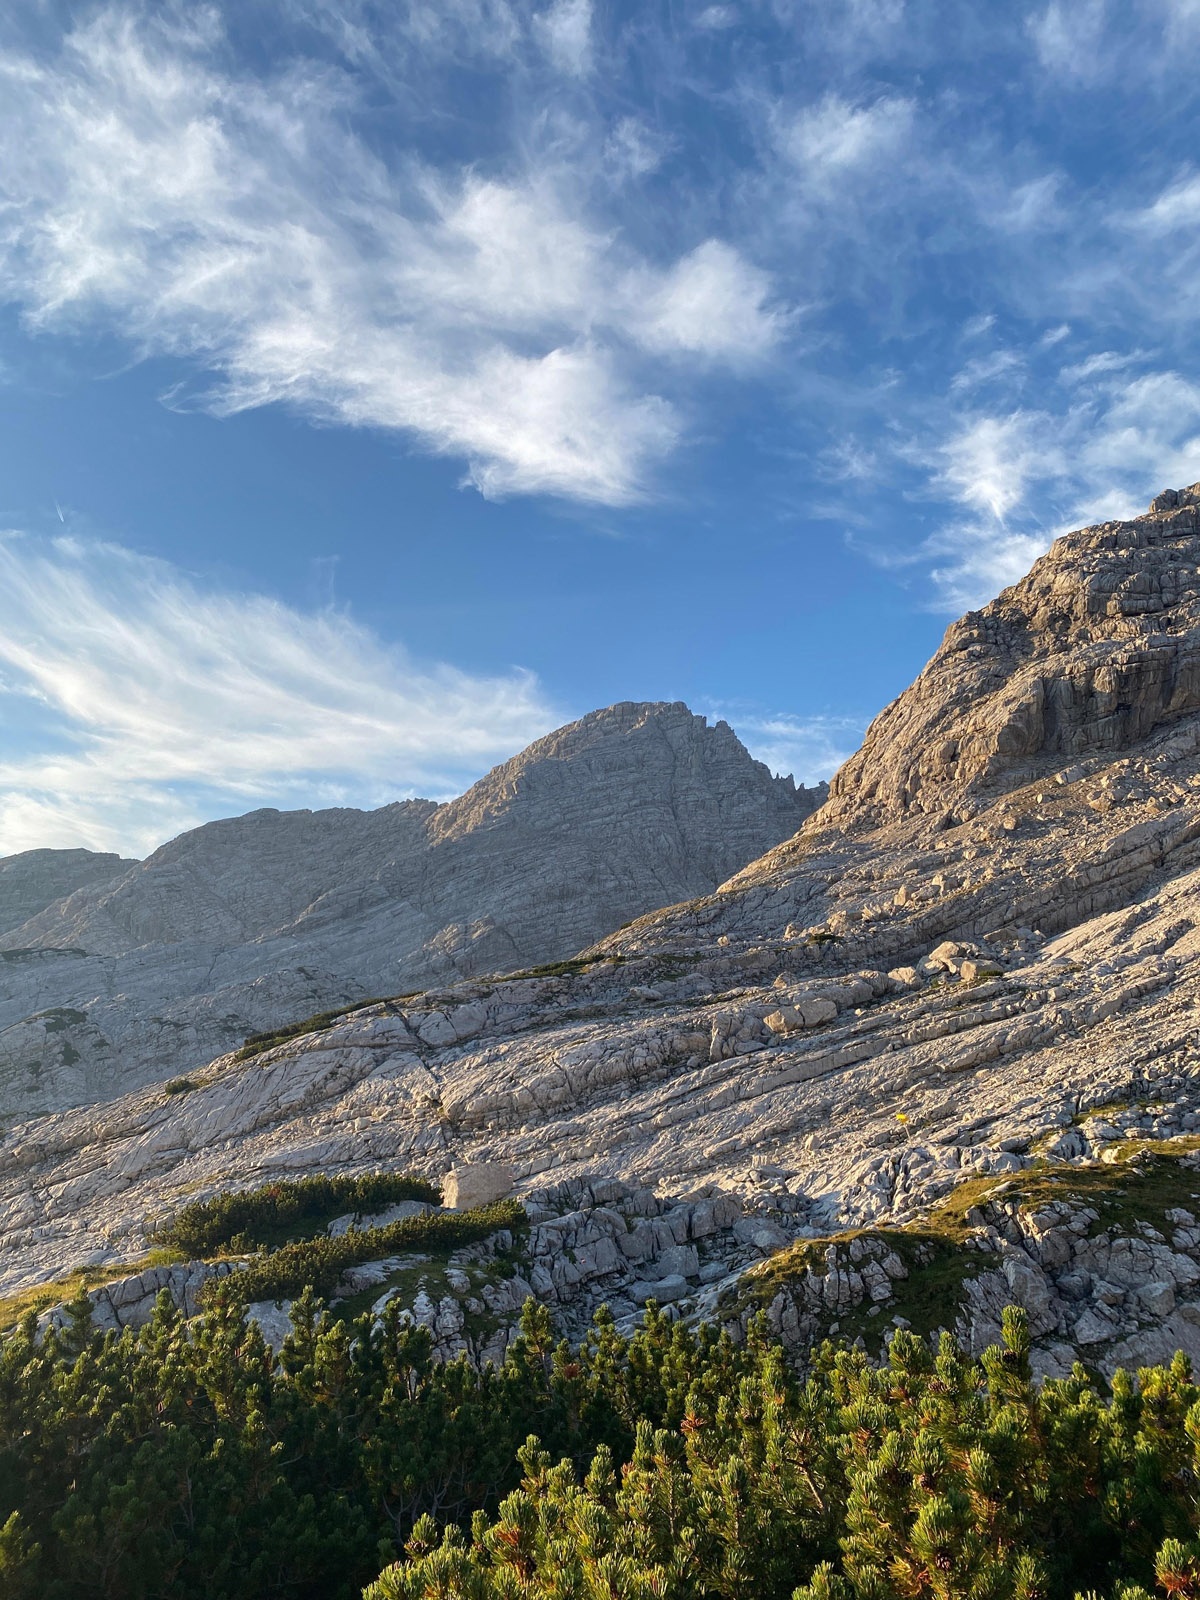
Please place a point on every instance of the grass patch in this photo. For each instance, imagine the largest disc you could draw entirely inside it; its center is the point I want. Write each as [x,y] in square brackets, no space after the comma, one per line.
[180,1086]
[565,969]
[429,1275]
[44,1295]
[409,1280]
[928,1298]
[278,1213]
[258,1042]
[59,1018]
[1111,1108]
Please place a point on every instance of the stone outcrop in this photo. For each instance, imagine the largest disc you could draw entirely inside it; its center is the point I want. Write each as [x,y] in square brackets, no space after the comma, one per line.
[129,1302]
[1122,1295]
[1094,651]
[145,969]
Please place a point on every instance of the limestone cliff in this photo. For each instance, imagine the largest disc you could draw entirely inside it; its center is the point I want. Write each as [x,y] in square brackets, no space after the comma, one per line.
[1096,649]
[981,795]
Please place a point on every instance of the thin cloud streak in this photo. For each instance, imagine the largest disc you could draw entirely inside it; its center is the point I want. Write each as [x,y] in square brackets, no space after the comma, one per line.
[163,704]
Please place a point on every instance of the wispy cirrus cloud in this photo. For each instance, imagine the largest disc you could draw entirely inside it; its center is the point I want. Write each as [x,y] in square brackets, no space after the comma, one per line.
[566,31]
[242,222]
[159,703]
[1114,443]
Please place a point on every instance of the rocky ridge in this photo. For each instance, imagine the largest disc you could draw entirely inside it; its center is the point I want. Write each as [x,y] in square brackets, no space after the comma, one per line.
[962,970]
[36,879]
[114,973]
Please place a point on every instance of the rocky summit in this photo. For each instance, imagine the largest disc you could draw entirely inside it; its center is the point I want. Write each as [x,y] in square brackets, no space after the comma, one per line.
[934,1053]
[116,973]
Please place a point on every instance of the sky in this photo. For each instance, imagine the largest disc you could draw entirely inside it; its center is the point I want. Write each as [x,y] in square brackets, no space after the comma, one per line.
[385,384]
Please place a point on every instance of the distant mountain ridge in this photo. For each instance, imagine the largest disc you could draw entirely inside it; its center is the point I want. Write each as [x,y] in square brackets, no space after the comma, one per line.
[137,970]
[35,879]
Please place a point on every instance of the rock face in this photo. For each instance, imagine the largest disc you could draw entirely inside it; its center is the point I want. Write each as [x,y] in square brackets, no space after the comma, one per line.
[148,969]
[968,962]
[36,879]
[1094,651]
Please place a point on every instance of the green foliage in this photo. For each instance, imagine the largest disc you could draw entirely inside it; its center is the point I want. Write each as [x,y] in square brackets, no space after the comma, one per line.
[932,1478]
[183,1460]
[59,1018]
[180,1086]
[269,1214]
[570,968]
[319,1263]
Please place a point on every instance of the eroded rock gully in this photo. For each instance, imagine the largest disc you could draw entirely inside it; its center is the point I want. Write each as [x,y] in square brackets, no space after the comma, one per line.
[983,953]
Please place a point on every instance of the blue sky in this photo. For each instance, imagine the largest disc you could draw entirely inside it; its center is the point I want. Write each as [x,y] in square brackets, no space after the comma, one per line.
[382,385]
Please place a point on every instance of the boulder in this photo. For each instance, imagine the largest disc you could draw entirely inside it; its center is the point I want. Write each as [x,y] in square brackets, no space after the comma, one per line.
[274,1320]
[664,1290]
[679,1260]
[478,1183]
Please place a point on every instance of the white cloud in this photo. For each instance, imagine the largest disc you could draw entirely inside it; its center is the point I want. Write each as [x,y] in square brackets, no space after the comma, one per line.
[375,34]
[566,29]
[161,704]
[1144,438]
[716,18]
[849,460]
[990,461]
[1093,366]
[1024,207]
[633,149]
[713,303]
[834,138]
[1182,19]
[986,369]
[1085,42]
[974,561]
[1117,444]
[242,222]
[1071,39]
[1177,206]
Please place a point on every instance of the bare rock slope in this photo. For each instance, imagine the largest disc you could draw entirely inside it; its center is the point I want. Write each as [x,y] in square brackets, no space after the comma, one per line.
[149,969]
[35,879]
[977,965]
